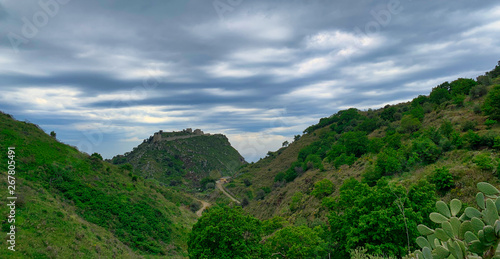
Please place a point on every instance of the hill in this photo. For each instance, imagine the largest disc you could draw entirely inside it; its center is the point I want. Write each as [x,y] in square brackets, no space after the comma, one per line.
[183,158]
[447,141]
[70,204]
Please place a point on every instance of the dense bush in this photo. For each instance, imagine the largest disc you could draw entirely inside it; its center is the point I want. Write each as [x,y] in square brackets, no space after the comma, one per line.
[410,124]
[440,94]
[373,217]
[426,149]
[295,242]
[224,232]
[484,162]
[442,179]
[478,91]
[389,162]
[323,188]
[462,86]
[491,104]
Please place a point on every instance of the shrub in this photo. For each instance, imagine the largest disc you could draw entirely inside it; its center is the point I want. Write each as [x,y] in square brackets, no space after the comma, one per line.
[244,202]
[410,124]
[388,162]
[195,206]
[439,95]
[247,182]
[428,107]
[446,128]
[323,188]
[477,109]
[489,123]
[53,134]
[239,239]
[483,81]
[356,143]
[210,186]
[427,150]
[478,91]
[469,125]
[296,201]
[442,179]
[462,86]
[96,156]
[260,194]
[484,162]
[491,104]
[459,100]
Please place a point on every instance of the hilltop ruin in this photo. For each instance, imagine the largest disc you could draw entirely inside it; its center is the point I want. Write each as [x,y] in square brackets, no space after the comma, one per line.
[170,136]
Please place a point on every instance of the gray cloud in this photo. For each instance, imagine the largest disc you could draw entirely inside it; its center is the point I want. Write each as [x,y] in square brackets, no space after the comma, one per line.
[258,71]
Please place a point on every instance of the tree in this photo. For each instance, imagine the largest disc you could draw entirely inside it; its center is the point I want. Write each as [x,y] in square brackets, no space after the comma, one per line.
[382,218]
[491,104]
[462,86]
[356,142]
[442,179]
[323,188]
[224,232]
[410,124]
[285,144]
[439,95]
[53,134]
[295,242]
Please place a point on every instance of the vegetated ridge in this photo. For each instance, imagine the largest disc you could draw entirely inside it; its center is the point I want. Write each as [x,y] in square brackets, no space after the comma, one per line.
[355,172]
[183,158]
[72,205]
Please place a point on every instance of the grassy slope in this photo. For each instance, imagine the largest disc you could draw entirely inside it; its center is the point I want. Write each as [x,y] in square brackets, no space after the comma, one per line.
[70,205]
[277,202]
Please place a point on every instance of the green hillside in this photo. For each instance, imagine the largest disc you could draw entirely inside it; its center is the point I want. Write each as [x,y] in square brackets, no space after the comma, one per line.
[72,205]
[183,158]
[447,141]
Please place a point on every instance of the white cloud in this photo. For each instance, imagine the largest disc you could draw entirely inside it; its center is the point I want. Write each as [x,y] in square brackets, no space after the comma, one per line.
[263,55]
[323,90]
[224,69]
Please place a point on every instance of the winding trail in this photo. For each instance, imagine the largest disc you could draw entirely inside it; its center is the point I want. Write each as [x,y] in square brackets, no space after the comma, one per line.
[219,185]
[205,205]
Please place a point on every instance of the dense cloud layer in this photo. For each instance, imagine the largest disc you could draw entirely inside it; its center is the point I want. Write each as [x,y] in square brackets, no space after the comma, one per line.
[106,74]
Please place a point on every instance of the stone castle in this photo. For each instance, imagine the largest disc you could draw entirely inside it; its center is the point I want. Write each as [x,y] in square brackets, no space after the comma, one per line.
[188,133]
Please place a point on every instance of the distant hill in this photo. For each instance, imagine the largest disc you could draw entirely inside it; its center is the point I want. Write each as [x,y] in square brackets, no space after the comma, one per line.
[72,205]
[183,158]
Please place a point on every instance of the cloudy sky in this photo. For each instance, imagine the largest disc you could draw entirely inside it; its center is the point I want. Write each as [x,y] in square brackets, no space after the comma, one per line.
[106,74]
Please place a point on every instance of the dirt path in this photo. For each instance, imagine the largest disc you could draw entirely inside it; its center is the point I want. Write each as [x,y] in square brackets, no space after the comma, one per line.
[219,185]
[205,205]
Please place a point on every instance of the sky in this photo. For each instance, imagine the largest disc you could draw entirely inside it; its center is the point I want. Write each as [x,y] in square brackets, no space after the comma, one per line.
[106,74]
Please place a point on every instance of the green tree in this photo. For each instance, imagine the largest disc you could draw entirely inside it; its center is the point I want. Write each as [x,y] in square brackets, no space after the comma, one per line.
[491,104]
[462,86]
[439,95]
[442,179]
[323,188]
[426,149]
[388,162]
[295,242]
[373,217]
[410,124]
[356,142]
[224,232]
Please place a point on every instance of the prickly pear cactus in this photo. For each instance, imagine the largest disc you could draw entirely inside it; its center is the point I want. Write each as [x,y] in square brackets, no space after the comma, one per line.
[473,234]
